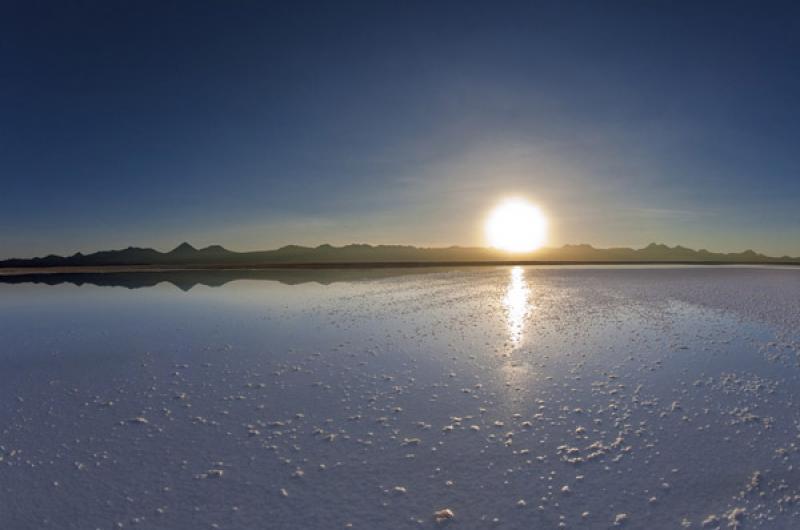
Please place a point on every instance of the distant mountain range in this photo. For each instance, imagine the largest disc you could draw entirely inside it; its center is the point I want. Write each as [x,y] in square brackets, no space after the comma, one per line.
[215,256]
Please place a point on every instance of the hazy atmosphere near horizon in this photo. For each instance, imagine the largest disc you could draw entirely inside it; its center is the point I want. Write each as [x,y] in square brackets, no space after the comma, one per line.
[444,265]
[260,124]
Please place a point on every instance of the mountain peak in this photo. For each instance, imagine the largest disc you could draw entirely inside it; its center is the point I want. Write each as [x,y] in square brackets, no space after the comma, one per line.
[183,248]
[214,248]
[654,246]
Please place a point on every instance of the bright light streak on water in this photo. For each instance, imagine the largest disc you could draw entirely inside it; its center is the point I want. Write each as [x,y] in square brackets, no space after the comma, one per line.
[517,306]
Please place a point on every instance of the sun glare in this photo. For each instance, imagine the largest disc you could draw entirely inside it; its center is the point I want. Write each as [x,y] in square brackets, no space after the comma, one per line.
[516,226]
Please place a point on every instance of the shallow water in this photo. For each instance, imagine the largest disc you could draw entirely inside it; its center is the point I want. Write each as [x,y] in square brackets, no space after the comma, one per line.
[516,397]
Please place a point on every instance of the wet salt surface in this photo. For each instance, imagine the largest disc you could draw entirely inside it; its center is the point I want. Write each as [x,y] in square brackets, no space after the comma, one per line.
[481,398]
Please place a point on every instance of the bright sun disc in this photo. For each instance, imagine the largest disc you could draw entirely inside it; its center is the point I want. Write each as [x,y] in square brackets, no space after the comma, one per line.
[516,226]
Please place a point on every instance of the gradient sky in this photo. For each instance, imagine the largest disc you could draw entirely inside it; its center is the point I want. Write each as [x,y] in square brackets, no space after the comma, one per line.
[257,124]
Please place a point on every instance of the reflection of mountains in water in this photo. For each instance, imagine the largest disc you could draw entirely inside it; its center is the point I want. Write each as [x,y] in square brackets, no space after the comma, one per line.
[186,279]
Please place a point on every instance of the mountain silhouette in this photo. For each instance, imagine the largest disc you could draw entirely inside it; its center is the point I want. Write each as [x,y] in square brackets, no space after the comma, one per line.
[216,256]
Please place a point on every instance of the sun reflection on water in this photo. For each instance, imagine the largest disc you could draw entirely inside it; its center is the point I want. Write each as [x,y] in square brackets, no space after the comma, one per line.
[517,306]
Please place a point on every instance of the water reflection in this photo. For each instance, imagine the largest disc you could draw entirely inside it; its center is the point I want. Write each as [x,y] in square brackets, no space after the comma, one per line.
[517,306]
[188,279]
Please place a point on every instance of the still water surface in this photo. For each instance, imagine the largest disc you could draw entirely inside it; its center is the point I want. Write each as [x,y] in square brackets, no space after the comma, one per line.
[515,397]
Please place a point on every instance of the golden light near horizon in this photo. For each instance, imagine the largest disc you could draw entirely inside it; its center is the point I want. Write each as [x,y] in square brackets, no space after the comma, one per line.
[515,225]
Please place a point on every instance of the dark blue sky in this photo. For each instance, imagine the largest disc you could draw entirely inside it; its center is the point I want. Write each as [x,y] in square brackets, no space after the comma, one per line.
[256,124]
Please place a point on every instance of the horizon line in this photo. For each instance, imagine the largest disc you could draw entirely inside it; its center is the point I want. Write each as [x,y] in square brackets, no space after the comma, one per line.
[509,256]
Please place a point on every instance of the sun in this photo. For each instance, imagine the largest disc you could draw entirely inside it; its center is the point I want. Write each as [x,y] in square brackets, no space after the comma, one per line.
[515,225]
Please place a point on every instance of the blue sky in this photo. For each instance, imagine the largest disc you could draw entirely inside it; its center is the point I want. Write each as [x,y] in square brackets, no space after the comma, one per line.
[258,124]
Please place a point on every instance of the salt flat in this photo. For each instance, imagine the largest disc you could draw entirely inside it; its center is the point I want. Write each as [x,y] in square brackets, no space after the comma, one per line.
[496,397]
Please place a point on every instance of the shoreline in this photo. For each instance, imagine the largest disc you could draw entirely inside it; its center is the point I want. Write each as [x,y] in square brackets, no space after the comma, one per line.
[15,271]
